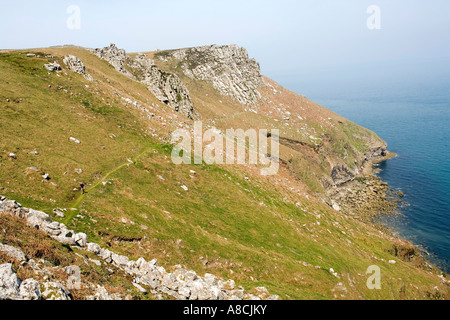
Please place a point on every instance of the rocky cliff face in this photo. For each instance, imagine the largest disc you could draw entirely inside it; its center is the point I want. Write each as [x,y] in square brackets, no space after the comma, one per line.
[76,65]
[167,87]
[228,68]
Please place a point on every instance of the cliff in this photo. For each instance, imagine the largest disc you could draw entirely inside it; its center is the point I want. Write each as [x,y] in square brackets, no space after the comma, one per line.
[228,68]
[165,86]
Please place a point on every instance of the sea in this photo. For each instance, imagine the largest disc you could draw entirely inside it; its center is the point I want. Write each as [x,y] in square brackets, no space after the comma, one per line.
[414,119]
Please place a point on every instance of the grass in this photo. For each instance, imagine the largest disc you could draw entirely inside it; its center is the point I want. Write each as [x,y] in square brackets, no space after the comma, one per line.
[36,245]
[255,231]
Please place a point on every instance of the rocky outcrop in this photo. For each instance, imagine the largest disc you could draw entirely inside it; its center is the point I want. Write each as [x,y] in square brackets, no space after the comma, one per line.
[12,288]
[12,252]
[180,284]
[167,87]
[118,58]
[76,65]
[9,283]
[54,66]
[341,174]
[228,68]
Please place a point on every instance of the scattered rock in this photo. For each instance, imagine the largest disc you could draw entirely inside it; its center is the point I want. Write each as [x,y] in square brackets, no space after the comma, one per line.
[9,283]
[30,289]
[81,239]
[139,287]
[32,169]
[52,66]
[59,213]
[76,65]
[13,252]
[74,140]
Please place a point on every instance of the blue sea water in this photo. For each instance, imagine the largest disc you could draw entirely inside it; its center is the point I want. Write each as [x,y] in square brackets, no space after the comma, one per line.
[415,122]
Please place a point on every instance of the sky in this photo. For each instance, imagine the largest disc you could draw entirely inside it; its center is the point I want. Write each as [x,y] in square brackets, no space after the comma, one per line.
[305,45]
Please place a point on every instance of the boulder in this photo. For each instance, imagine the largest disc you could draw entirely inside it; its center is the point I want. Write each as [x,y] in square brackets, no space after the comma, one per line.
[102,294]
[139,287]
[9,283]
[81,239]
[184,291]
[54,291]
[76,65]
[30,289]
[13,252]
[52,66]
[75,140]
[105,254]
[93,247]
[37,219]
[119,260]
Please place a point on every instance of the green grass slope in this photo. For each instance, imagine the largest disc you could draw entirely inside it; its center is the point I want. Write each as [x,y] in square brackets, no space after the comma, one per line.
[256,231]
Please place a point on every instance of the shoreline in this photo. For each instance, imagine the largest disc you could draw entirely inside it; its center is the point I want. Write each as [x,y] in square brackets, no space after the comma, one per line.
[368,199]
[367,167]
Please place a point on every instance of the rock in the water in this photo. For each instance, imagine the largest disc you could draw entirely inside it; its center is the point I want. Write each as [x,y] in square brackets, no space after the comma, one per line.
[59,213]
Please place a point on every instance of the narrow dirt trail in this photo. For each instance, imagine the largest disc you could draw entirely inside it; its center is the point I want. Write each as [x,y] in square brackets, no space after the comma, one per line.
[75,203]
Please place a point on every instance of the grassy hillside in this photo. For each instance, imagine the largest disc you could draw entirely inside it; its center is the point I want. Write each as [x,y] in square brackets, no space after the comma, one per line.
[259,231]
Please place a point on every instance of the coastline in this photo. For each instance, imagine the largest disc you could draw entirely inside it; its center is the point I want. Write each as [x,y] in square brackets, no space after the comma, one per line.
[368,198]
[367,167]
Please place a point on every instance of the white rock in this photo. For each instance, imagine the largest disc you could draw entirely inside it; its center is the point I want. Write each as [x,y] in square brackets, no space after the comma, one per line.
[139,287]
[9,283]
[81,239]
[74,140]
[54,291]
[30,289]
[93,247]
[13,252]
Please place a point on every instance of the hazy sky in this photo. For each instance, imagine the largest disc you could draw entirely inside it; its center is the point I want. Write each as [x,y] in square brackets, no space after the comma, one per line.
[298,43]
